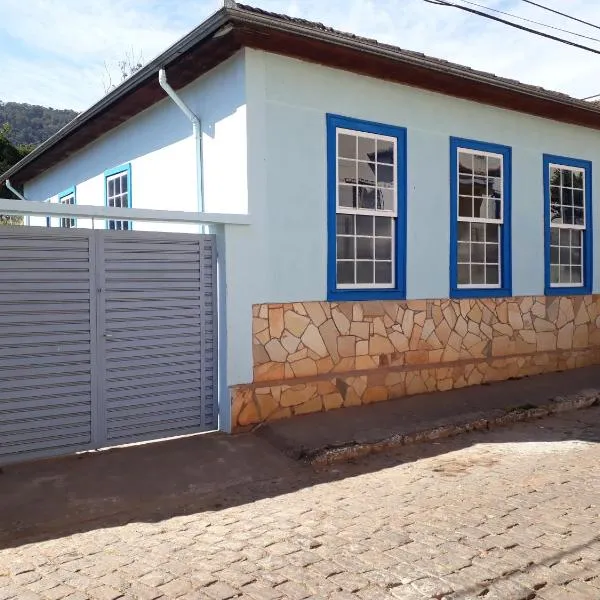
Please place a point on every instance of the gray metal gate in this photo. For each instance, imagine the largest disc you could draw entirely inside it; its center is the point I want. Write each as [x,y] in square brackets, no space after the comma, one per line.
[105,338]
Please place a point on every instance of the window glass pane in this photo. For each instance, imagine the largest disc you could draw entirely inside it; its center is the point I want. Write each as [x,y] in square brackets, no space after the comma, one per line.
[346,171]
[366,197]
[124,183]
[477,253]
[578,216]
[465,162]
[346,145]
[567,197]
[345,272]
[555,213]
[576,238]
[385,199]
[463,274]
[567,215]
[491,232]
[554,274]
[494,166]
[347,196]
[567,177]
[465,206]
[492,275]
[564,256]
[494,187]
[111,187]
[477,274]
[385,151]
[578,179]
[478,232]
[575,256]
[555,195]
[554,176]
[383,272]
[578,198]
[366,149]
[345,224]
[383,248]
[117,182]
[465,185]
[345,247]
[385,176]
[480,164]
[383,226]
[464,254]
[554,254]
[576,276]
[491,253]
[364,225]
[464,231]
[366,173]
[364,248]
[480,208]
[480,186]
[364,272]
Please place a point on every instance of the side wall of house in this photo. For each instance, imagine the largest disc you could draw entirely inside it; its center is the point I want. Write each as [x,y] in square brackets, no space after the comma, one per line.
[310,354]
[159,146]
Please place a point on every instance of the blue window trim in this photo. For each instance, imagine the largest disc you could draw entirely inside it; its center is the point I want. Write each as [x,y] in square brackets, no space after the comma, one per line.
[399,291]
[505,288]
[588,241]
[68,192]
[125,168]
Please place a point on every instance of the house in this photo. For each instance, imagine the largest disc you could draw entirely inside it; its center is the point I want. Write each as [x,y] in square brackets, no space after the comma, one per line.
[414,225]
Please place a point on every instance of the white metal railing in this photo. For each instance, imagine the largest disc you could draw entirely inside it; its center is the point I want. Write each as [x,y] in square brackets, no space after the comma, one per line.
[30,208]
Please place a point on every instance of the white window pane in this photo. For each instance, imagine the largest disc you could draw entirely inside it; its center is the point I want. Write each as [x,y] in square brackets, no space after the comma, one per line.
[385,176]
[366,197]
[364,248]
[383,272]
[554,274]
[111,187]
[345,248]
[364,272]
[578,198]
[465,206]
[477,274]
[494,166]
[576,276]
[346,171]
[124,183]
[463,274]
[364,225]
[366,149]
[347,196]
[492,232]
[478,253]
[491,253]
[464,252]
[465,185]
[492,275]
[383,226]
[117,183]
[480,164]
[464,231]
[465,162]
[345,272]
[386,199]
[578,216]
[345,224]
[578,180]
[385,151]
[567,177]
[346,145]
[383,248]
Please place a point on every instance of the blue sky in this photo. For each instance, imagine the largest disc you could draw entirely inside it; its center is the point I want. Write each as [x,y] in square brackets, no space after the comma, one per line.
[57,53]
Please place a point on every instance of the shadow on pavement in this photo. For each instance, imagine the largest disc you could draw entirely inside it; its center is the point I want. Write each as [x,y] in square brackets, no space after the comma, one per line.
[152,482]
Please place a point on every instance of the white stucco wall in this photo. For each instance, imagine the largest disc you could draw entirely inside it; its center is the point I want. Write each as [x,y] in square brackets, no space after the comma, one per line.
[161,149]
[286,249]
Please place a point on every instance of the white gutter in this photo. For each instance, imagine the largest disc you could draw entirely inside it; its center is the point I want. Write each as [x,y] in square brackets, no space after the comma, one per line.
[196,127]
[19,196]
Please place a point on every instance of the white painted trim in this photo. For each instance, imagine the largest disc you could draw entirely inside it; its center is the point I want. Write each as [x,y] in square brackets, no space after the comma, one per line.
[33,207]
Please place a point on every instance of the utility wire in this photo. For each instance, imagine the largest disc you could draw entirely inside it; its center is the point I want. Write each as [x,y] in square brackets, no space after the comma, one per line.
[562,14]
[515,25]
[501,12]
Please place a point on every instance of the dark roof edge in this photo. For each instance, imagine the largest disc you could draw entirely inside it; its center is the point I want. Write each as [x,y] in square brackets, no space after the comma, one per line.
[354,42]
[204,30]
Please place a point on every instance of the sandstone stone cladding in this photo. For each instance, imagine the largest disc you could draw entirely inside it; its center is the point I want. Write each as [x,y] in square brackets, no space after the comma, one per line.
[314,356]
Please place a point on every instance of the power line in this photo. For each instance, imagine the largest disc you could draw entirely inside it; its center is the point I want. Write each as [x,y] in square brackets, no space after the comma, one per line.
[515,25]
[562,14]
[501,12]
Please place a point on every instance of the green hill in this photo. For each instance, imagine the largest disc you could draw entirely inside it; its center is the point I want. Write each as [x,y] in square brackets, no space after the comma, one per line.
[31,124]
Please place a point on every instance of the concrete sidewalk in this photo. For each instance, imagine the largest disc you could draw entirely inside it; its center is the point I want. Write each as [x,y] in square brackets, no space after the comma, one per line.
[342,434]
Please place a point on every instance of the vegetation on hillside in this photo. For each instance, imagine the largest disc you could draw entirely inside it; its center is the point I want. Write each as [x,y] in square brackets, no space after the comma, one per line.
[33,124]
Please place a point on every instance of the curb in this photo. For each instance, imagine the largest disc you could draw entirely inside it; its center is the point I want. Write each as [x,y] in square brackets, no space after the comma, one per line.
[352,450]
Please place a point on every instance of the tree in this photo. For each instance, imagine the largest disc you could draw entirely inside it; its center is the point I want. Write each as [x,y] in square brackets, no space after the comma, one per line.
[10,155]
[131,63]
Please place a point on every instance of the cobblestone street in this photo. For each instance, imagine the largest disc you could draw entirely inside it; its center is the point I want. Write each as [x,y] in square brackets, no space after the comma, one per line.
[508,514]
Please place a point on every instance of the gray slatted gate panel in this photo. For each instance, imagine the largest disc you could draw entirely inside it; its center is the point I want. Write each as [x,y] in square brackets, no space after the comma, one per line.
[158,313]
[46,333]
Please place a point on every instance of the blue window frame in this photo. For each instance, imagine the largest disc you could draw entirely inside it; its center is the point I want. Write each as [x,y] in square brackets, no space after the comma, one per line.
[117,193]
[366,173]
[480,219]
[68,197]
[568,225]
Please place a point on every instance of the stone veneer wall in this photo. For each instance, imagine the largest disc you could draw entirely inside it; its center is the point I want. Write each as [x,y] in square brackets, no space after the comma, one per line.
[316,356]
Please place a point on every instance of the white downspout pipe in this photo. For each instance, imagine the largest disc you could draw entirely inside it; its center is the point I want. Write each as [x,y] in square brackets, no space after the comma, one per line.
[18,195]
[197,130]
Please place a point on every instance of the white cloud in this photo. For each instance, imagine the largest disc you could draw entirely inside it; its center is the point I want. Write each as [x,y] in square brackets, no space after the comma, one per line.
[53,53]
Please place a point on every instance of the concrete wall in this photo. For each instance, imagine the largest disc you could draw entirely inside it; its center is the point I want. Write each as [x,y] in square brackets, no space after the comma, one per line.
[161,149]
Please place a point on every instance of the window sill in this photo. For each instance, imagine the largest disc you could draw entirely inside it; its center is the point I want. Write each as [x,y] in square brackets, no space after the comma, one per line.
[568,291]
[480,293]
[360,295]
